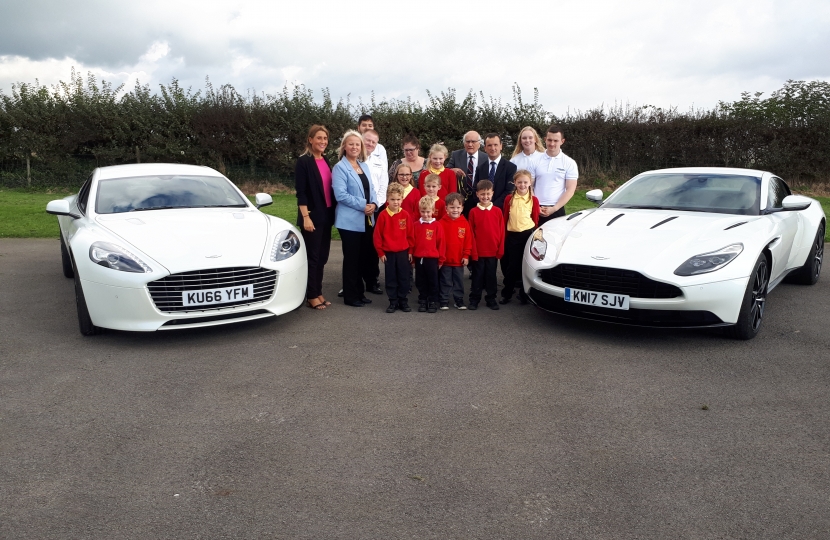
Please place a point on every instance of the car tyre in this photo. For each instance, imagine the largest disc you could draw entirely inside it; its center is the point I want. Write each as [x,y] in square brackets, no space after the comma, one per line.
[810,272]
[754,302]
[85,324]
[66,261]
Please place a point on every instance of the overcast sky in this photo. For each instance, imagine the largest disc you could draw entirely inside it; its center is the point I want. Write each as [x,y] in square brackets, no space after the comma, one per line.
[579,54]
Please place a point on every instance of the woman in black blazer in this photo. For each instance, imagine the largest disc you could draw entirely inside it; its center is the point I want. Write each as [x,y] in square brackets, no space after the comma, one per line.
[315,210]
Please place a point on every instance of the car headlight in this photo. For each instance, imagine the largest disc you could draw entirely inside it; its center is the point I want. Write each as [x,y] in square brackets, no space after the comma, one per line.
[285,245]
[117,258]
[538,245]
[709,262]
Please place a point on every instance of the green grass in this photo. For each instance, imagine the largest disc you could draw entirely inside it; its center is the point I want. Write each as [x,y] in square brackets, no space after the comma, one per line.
[23,213]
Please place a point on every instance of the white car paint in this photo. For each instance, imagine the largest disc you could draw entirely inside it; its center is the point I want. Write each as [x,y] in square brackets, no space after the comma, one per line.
[171,241]
[631,243]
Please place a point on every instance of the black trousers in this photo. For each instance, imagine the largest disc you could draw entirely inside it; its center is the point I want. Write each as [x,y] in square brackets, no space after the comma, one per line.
[511,263]
[484,278]
[426,279]
[558,213]
[358,254]
[318,246]
[397,275]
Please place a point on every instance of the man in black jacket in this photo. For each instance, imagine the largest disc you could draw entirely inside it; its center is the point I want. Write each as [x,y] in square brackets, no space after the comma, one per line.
[495,168]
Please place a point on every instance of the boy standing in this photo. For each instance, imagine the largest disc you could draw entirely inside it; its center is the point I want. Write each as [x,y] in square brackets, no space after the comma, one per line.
[487,225]
[459,242]
[432,184]
[428,255]
[393,239]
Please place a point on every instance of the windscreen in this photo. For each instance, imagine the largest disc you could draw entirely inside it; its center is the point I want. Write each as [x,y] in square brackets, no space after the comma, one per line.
[716,193]
[163,192]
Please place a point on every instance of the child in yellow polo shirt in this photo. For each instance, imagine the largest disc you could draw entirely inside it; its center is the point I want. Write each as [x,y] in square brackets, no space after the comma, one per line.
[521,213]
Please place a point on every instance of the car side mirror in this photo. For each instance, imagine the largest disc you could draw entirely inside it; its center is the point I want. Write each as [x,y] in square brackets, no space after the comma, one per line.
[595,195]
[796,202]
[60,208]
[263,199]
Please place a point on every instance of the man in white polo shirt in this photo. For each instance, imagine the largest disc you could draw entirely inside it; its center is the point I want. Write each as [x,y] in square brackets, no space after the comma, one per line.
[556,175]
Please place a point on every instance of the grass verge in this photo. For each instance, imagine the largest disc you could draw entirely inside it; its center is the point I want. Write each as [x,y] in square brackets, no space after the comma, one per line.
[23,213]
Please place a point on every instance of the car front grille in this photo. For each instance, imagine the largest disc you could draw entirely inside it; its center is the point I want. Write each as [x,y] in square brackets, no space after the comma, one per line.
[167,292]
[608,280]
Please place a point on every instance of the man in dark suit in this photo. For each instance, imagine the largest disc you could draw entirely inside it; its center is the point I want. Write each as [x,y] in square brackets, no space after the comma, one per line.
[467,160]
[495,168]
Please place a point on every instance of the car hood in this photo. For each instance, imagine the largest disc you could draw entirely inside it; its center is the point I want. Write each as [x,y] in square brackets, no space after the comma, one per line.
[193,239]
[626,238]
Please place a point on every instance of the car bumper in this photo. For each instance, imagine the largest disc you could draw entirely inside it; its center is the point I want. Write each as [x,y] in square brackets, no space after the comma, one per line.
[711,304]
[133,309]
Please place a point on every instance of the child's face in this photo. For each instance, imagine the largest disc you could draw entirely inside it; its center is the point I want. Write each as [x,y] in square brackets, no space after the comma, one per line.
[485,196]
[431,189]
[454,209]
[426,214]
[436,160]
[404,177]
[522,184]
[393,201]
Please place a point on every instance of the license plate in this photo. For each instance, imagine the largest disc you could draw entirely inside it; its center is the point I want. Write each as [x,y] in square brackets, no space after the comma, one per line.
[590,298]
[218,296]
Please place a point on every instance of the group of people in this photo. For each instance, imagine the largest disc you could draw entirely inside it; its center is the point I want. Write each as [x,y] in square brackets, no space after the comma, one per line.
[436,214]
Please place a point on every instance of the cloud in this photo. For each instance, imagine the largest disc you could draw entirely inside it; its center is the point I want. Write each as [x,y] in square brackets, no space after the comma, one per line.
[579,55]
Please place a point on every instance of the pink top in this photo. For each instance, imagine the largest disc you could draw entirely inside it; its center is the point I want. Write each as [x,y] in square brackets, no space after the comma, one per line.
[325,174]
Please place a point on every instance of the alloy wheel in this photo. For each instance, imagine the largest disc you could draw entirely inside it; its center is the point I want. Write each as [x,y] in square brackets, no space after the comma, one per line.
[759,295]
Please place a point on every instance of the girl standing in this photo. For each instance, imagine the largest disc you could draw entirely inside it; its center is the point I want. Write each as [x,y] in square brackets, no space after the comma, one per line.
[437,156]
[521,214]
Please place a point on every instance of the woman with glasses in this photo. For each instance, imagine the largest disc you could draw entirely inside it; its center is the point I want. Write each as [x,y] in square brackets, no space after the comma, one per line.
[411,158]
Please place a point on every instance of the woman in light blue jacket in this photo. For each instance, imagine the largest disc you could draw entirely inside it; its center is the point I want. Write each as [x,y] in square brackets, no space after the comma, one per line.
[354,218]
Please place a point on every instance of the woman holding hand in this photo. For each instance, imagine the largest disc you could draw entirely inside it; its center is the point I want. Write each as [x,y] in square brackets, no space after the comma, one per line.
[354,218]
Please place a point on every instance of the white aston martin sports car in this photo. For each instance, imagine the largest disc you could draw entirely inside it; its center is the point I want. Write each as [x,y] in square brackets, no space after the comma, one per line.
[691,247]
[163,247]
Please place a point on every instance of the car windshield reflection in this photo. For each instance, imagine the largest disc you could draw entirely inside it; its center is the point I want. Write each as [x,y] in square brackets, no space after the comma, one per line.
[142,193]
[716,193]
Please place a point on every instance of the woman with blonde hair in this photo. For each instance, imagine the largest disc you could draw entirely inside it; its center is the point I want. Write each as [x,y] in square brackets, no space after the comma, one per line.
[354,218]
[528,151]
[437,156]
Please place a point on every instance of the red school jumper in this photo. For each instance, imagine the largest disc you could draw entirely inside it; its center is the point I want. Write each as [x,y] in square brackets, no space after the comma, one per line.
[534,212]
[458,238]
[488,232]
[429,241]
[393,232]
[410,203]
[449,184]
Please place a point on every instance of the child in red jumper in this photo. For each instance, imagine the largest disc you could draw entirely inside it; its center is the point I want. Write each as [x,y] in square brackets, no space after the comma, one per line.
[438,153]
[459,241]
[428,255]
[394,240]
[411,194]
[487,224]
[432,186]
[521,214]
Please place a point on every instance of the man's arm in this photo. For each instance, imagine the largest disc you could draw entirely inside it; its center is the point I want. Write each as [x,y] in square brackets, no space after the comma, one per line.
[451,163]
[570,188]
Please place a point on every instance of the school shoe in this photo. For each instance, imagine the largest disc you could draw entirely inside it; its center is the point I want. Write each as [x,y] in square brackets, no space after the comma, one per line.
[365,300]
[444,306]
[357,303]
[340,294]
[375,289]
[473,306]
[422,307]
[493,305]
[504,300]
[393,306]
[459,304]
[523,298]
[432,307]
[403,305]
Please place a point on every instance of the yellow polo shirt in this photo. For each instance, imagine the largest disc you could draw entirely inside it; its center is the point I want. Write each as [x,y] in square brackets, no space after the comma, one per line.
[520,210]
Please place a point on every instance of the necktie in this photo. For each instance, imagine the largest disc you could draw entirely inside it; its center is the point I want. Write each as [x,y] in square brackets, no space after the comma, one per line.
[492,175]
[470,172]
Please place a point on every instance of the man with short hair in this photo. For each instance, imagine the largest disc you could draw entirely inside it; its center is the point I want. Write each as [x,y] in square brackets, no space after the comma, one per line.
[556,176]
[364,123]
[467,161]
[495,169]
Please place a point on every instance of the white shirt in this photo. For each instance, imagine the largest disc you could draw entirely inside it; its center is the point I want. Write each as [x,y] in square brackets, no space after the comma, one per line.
[489,161]
[467,162]
[528,163]
[550,174]
[380,173]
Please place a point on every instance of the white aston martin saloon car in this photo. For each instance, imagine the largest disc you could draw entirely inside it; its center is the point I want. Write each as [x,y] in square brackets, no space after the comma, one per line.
[691,247]
[165,246]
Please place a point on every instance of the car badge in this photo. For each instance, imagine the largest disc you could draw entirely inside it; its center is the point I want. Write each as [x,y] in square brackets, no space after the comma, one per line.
[212,256]
[600,257]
